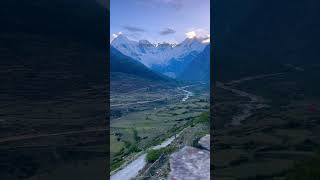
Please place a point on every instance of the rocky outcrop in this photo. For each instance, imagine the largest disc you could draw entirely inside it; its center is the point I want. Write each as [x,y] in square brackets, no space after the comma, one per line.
[205,142]
[191,163]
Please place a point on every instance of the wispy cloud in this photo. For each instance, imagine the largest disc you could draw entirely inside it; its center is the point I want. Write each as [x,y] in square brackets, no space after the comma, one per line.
[134,29]
[174,3]
[167,31]
[177,4]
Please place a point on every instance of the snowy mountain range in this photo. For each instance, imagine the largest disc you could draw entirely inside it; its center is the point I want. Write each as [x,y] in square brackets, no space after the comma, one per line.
[157,54]
[168,59]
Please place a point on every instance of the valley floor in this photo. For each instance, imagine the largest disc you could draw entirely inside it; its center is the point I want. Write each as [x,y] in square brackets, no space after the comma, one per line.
[265,125]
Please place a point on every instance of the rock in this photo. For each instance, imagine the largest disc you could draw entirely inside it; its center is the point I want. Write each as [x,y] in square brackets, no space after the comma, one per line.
[190,163]
[205,142]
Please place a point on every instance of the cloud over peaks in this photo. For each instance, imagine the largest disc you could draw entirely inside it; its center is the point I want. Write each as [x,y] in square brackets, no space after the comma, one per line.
[191,34]
[134,29]
[167,31]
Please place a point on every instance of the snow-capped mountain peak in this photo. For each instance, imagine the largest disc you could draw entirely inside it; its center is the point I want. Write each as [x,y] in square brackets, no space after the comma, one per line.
[120,39]
[144,42]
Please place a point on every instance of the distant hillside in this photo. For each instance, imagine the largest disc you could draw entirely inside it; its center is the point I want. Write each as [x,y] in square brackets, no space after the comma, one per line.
[123,64]
[259,36]
[199,68]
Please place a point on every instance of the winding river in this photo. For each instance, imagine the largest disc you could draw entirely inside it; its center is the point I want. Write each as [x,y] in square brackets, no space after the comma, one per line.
[187,93]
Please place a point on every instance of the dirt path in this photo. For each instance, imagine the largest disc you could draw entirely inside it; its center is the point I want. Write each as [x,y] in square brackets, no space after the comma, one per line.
[132,169]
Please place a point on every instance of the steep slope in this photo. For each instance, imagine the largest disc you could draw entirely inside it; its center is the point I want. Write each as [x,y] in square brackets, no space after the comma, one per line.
[187,46]
[175,66]
[123,64]
[199,68]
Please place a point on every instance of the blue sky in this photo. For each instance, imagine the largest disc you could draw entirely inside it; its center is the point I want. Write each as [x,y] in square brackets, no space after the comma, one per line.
[160,20]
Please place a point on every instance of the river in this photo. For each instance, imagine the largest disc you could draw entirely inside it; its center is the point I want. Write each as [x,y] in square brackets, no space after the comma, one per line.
[187,93]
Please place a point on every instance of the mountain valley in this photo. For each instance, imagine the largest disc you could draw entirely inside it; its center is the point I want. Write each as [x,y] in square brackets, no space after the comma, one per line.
[148,108]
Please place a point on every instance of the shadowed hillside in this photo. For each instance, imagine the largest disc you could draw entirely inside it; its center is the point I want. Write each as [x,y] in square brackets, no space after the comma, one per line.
[123,64]
[254,37]
[53,94]
[199,68]
[266,102]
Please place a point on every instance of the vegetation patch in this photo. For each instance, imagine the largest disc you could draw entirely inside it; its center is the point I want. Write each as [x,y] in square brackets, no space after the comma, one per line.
[203,118]
[154,154]
[116,165]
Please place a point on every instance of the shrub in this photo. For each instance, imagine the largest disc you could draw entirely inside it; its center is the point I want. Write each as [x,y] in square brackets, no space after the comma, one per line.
[153,155]
[134,148]
[203,118]
[135,134]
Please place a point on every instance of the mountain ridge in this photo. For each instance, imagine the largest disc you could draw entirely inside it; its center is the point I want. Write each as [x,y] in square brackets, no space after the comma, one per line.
[127,65]
[199,68]
[161,53]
